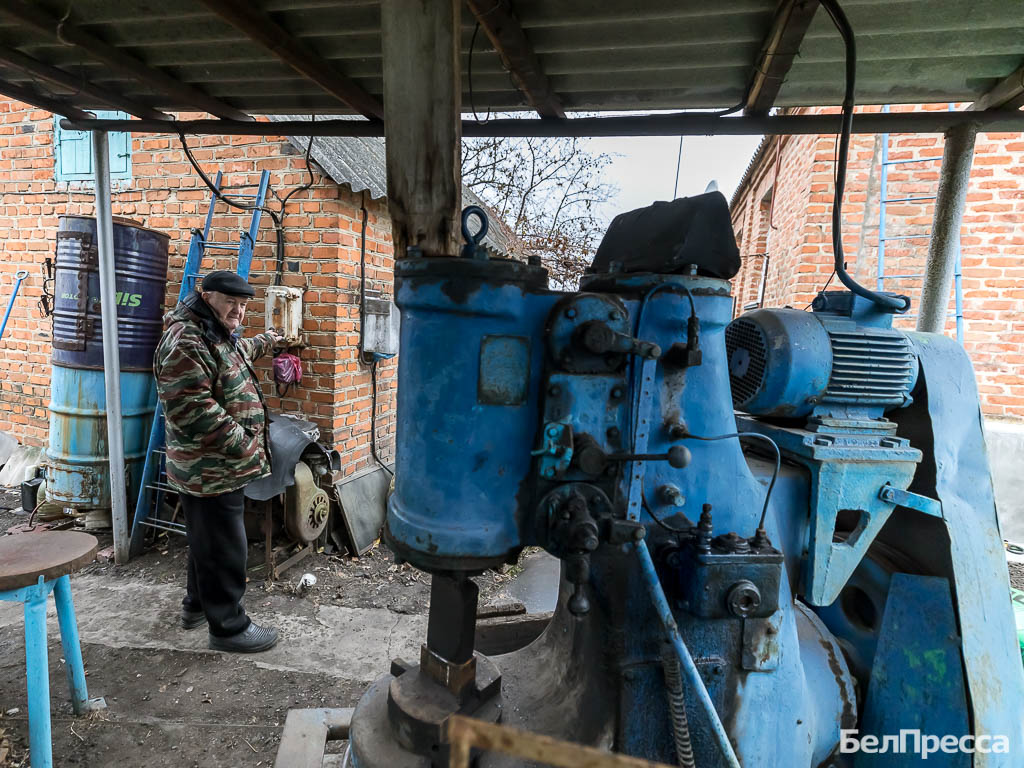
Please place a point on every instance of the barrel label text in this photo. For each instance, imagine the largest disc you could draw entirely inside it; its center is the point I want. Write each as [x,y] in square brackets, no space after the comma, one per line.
[121,299]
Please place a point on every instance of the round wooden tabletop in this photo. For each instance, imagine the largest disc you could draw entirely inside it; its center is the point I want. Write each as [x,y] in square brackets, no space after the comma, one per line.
[24,557]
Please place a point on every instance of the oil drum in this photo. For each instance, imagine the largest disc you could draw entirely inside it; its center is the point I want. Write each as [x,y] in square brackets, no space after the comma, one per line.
[78,468]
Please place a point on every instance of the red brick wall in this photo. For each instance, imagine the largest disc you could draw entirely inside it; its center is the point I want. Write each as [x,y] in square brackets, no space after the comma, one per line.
[322,234]
[799,251]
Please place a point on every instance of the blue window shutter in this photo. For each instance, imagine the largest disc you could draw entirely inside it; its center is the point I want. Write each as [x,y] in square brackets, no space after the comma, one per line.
[73,151]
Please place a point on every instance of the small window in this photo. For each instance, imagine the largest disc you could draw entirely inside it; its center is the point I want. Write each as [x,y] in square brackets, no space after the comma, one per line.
[73,151]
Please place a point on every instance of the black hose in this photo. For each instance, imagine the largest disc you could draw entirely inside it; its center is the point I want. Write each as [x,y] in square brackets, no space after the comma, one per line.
[897,303]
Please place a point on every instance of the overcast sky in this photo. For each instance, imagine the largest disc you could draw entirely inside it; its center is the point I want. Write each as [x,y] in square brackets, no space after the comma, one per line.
[645,168]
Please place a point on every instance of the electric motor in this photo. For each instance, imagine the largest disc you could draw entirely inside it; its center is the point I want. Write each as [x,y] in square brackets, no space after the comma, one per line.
[787,363]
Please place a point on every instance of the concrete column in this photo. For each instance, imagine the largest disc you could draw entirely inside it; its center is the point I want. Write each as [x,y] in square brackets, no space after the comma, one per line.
[949,212]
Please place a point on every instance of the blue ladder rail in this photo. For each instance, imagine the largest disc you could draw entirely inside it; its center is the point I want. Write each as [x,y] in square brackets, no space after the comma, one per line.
[154,484]
[883,238]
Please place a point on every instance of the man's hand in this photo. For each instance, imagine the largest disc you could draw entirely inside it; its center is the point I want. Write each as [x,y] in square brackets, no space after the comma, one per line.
[275,337]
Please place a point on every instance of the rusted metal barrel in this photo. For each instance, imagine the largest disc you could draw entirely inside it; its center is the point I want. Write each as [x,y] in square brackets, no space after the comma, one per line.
[77,472]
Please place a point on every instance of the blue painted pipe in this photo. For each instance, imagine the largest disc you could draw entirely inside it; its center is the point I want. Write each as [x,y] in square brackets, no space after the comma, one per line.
[19,276]
[685,659]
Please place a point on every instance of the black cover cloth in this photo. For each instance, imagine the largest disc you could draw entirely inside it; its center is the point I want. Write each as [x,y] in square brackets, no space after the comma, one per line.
[665,237]
[217,551]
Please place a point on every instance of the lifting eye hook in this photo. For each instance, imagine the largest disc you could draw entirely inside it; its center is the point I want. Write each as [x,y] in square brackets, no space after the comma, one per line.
[472,249]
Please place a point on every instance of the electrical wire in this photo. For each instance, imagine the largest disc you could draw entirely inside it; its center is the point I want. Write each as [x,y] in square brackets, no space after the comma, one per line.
[372,362]
[469,78]
[751,436]
[842,24]
[362,272]
[232,202]
[658,521]
[279,279]
[244,206]
[373,419]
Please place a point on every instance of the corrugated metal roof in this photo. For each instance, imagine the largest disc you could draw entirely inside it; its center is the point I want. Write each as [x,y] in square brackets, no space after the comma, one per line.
[360,163]
[607,55]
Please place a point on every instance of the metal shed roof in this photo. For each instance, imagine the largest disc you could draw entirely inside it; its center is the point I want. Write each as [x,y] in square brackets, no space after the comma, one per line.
[279,56]
[360,163]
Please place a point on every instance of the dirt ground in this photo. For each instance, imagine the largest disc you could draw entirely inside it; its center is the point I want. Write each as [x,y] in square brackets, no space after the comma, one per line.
[172,703]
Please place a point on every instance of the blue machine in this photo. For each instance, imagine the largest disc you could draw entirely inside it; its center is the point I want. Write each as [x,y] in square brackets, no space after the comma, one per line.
[78,468]
[717,607]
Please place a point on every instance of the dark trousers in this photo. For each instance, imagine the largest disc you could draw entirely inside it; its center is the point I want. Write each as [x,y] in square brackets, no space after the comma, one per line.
[217,550]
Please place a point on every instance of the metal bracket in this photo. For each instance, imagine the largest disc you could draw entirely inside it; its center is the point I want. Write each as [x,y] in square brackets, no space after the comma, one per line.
[910,500]
[90,251]
[555,453]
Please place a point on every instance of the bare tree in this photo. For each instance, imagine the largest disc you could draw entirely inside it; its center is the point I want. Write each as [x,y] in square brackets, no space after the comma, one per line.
[548,191]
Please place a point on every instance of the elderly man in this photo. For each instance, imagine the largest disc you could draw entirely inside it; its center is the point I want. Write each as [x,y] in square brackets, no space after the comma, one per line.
[217,443]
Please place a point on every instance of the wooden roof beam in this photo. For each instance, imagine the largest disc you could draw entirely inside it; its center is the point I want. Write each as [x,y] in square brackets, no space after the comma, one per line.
[781,46]
[49,103]
[188,96]
[35,68]
[262,29]
[1008,93]
[509,40]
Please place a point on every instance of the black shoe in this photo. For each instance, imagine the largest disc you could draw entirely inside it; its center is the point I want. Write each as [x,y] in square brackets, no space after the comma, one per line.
[192,619]
[253,640]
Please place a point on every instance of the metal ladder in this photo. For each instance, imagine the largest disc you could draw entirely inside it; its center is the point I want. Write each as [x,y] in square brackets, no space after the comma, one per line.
[882,275]
[154,477]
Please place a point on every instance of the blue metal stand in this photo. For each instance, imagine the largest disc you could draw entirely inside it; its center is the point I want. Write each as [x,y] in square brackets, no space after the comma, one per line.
[37,661]
[153,484]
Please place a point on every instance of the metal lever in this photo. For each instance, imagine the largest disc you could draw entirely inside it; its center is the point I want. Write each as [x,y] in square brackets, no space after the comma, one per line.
[598,338]
[582,540]
[678,456]
[590,457]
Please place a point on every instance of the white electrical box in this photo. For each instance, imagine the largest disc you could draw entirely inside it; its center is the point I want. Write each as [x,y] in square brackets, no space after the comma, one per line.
[284,312]
[380,335]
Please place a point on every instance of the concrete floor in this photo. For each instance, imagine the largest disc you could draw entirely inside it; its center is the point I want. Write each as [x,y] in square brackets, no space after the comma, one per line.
[173,702]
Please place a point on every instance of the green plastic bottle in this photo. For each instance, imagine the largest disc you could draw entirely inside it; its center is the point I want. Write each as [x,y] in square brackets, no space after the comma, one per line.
[1018,613]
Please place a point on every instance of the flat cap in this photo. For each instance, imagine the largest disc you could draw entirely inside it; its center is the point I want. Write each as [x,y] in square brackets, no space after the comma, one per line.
[224,281]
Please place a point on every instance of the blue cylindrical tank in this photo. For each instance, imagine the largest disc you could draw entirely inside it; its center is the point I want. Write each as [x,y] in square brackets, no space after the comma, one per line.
[77,472]
[472,351]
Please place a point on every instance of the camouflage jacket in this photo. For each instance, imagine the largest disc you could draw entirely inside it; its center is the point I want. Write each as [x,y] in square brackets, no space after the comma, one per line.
[216,418]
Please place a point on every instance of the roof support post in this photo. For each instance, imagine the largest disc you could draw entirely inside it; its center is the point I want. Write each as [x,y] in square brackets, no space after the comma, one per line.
[422,127]
[957,157]
[111,356]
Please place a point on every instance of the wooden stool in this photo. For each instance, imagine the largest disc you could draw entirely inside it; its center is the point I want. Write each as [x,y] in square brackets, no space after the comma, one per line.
[31,566]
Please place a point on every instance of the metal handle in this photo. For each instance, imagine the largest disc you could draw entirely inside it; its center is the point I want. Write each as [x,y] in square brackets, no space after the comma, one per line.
[678,456]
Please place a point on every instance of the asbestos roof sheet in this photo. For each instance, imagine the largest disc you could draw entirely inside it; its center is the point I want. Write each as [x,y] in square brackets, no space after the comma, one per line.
[606,55]
[360,163]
